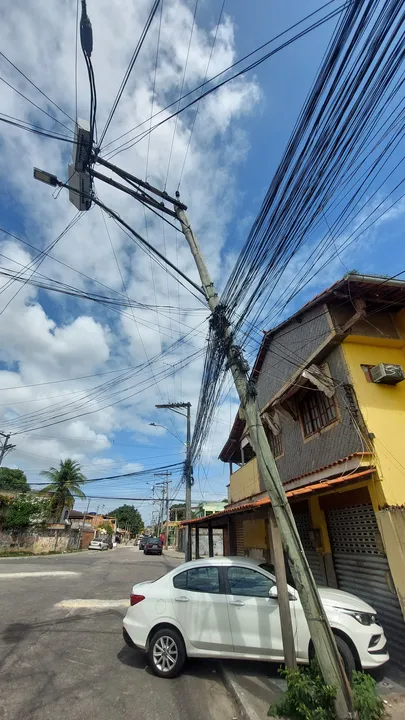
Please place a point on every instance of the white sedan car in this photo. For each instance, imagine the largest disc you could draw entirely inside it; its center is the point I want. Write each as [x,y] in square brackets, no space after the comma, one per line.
[227,607]
[98,545]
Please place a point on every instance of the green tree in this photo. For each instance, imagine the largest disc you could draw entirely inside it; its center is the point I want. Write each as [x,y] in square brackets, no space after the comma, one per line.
[107,527]
[128,516]
[13,479]
[178,512]
[25,510]
[64,485]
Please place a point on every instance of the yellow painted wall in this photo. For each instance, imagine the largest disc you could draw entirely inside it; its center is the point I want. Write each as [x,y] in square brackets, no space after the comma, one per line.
[383,409]
[255,534]
[245,482]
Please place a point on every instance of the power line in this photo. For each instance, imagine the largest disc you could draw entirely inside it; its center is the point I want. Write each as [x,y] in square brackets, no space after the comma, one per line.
[181,92]
[76,55]
[38,260]
[230,67]
[198,104]
[36,87]
[35,105]
[130,68]
[33,129]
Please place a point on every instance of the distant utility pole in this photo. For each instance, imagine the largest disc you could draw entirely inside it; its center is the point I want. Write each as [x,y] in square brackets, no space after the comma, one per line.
[188,466]
[165,502]
[321,634]
[6,446]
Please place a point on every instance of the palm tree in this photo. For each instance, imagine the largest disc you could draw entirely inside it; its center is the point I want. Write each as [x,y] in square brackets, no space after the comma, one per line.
[65,484]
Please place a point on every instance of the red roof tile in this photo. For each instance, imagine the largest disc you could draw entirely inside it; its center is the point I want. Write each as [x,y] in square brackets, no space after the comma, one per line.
[307,490]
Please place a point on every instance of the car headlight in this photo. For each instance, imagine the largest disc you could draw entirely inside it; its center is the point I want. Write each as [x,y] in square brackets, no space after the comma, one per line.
[362,617]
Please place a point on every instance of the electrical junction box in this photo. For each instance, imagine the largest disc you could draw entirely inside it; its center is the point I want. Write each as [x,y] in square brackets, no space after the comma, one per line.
[81,148]
[80,183]
[387,374]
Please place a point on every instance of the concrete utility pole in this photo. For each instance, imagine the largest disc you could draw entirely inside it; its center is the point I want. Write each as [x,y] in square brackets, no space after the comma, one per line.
[322,637]
[188,465]
[321,634]
[165,502]
[6,446]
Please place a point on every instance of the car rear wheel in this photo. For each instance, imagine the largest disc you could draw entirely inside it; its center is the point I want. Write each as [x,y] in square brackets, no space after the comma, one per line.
[167,653]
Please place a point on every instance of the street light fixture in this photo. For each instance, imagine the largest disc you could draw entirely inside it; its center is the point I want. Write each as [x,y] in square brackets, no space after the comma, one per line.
[46,177]
[167,429]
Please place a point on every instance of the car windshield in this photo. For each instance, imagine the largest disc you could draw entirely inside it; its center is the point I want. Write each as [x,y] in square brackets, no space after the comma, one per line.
[154,541]
[269,567]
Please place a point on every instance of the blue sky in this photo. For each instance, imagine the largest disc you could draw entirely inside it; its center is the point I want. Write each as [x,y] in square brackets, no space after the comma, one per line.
[58,350]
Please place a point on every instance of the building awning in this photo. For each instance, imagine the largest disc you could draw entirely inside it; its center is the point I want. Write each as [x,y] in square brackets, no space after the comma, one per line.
[322,486]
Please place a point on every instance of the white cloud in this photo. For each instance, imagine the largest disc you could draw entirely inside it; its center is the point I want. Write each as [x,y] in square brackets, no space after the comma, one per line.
[46,337]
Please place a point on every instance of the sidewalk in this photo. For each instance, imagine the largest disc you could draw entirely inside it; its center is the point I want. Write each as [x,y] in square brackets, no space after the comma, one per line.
[255,686]
[175,554]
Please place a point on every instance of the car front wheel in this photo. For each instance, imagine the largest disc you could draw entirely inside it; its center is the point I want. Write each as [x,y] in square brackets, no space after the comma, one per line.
[167,653]
[347,656]
[345,652]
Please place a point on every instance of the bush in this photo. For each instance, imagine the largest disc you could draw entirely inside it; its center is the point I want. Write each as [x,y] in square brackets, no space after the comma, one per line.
[309,698]
[366,701]
[23,511]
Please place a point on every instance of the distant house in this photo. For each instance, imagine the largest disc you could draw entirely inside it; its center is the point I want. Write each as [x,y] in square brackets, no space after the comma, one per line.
[209,508]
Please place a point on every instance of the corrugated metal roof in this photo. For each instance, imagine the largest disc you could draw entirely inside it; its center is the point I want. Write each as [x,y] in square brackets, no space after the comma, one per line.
[307,490]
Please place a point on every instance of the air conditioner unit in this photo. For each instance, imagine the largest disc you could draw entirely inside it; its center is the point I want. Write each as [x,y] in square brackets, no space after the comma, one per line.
[387,374]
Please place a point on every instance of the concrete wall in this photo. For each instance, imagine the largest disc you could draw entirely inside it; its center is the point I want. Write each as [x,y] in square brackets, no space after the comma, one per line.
[40,541]
[218,542]
[244,482]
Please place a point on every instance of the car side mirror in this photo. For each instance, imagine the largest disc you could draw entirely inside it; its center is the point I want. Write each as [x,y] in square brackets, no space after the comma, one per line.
[273,592]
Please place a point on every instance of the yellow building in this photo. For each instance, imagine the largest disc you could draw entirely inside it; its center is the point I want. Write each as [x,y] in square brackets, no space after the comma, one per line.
[331,392]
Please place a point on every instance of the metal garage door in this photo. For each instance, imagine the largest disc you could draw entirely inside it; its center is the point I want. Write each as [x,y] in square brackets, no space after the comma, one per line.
[315,559]
[362,568]
[240,538]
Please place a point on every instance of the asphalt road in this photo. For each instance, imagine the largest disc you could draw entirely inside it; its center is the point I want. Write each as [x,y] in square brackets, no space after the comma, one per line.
[61,654]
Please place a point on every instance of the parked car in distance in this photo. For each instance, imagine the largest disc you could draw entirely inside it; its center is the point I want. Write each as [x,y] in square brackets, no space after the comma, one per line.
[142,541]
[153,546]
[227,607]
[98,545]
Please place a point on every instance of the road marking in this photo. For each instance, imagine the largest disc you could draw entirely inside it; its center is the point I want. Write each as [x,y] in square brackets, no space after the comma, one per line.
[93,604]
[39,573]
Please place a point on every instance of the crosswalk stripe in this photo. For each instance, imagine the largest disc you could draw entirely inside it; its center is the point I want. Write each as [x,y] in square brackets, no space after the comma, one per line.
[38,573]
[92,603]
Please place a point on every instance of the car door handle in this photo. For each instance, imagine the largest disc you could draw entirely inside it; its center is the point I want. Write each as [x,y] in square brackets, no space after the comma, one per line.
[236,602]
[181,598]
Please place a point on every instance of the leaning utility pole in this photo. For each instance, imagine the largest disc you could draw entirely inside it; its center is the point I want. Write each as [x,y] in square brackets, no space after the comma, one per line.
[188,469]
[321,634]
[322,637]
[6,446]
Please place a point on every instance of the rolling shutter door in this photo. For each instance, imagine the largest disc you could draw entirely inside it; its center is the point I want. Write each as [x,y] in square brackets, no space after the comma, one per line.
[315,559]
[240,538]
[362,568]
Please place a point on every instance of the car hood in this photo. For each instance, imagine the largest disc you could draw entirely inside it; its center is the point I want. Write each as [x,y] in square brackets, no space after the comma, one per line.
[340,599]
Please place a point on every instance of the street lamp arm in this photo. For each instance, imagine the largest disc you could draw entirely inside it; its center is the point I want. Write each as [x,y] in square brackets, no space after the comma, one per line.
[167,429]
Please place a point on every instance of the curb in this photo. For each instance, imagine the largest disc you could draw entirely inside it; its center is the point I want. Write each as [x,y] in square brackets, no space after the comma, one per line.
[237,694]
